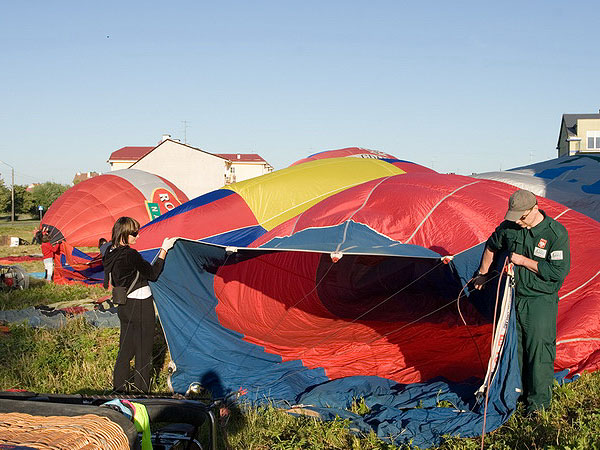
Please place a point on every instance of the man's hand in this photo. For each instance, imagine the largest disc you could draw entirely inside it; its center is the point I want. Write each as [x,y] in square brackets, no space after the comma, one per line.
[479,280]
[520,260]
[517,259]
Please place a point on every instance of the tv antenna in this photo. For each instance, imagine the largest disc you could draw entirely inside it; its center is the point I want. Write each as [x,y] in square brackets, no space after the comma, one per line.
[185,127]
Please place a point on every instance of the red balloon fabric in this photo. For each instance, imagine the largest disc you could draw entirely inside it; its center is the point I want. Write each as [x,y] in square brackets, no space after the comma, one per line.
[87,211]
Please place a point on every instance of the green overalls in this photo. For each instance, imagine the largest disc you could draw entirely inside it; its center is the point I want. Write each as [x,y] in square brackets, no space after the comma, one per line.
[536,300]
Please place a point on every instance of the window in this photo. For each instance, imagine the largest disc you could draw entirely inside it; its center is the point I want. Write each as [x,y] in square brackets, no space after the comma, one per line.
[593,140]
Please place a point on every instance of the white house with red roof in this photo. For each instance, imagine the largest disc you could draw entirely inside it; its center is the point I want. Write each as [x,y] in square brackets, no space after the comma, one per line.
[246,165]
[125,157]
[191,169]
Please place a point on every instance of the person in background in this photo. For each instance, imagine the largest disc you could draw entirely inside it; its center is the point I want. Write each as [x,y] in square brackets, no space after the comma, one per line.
[48,252]
[539,249]
[103,245]
[124,266]
[37,236]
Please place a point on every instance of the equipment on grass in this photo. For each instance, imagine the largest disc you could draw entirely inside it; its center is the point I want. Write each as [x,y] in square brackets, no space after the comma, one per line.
[13,277]
[73,421]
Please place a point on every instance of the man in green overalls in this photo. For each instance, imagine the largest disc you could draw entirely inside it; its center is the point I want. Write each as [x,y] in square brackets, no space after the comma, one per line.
[539,249]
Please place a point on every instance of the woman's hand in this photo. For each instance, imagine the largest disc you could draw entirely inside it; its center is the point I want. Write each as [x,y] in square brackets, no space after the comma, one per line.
[168,243]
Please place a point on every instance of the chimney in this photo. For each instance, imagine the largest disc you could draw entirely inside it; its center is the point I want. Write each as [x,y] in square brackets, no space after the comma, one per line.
[165,137]
[239,156]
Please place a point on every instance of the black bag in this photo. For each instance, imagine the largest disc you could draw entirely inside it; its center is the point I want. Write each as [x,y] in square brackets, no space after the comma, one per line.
[119,293]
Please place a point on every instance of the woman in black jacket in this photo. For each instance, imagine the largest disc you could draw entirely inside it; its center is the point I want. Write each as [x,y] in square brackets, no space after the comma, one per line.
[122,265]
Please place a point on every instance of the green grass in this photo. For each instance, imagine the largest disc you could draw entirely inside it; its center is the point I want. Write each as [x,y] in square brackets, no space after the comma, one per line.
[21,250]
[79,358]
[18,228]
[269,428]
[24,230]
[76,358]
[40,292]
[43,293]
[572,422]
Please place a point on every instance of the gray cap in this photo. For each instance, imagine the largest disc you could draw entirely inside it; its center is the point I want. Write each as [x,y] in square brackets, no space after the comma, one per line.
[519,203]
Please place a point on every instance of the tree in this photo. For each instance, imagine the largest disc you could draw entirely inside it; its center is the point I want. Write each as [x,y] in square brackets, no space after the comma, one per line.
[4,198]
[23,200]
[44,195]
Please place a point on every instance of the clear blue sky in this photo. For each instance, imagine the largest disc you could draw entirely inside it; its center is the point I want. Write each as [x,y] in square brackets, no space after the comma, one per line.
[457,86]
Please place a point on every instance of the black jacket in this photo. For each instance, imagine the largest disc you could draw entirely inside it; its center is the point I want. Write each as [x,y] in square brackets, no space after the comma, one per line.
[124,262]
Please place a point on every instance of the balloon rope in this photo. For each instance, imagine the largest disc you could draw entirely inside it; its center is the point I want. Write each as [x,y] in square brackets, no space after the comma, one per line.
[460,295]
[274,327]
[360,316]
[262,387]
[328,337]
[487,381]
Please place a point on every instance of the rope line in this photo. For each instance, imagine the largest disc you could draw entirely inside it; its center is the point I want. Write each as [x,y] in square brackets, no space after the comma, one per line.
[358,209]
[435,207]
[488,380]
[274,327]
[263,387]
[360,316]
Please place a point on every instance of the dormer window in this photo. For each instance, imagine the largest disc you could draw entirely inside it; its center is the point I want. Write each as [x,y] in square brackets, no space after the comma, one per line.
[593,140]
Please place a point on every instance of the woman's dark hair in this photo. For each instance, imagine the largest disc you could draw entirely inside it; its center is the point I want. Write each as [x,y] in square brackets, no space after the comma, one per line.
[122,229]
[45,237]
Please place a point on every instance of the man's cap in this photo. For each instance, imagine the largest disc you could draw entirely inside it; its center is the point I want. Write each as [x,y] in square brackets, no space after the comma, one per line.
[519,203]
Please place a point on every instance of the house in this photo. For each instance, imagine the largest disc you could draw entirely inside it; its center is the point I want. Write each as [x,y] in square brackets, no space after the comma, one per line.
[126,156]
[82,176]
[246,165]
[191,169]
[579,133]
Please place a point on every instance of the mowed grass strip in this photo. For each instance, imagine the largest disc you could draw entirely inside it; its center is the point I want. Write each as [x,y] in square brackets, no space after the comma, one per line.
[41,292]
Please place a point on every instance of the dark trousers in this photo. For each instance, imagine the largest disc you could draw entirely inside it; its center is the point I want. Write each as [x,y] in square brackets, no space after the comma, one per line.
[136,339]
[536,327]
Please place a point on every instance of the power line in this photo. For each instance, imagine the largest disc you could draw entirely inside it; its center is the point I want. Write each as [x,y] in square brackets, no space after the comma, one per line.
[31,177]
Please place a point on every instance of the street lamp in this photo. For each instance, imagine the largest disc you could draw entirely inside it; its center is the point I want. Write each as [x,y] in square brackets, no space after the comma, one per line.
[12,192]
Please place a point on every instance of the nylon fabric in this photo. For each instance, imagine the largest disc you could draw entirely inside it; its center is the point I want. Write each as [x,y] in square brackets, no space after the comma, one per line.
[305,185]
[268,309]
[273,326]
[142,424]
[87,211]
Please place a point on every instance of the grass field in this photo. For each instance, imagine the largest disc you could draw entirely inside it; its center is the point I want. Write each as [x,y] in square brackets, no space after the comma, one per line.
[78,358]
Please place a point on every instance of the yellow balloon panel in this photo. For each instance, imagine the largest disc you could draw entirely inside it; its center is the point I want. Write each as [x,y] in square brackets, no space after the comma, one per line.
[283,194]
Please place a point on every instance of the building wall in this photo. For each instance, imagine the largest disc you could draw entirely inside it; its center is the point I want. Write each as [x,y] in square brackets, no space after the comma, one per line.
[119,165]
[244,171]
[579,145]
[563,147]
[574,146]
[193,171]
[583,126]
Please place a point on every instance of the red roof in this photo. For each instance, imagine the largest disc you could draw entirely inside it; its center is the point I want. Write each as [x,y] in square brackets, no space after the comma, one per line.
[130,153]
[82,176]
[241,157]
